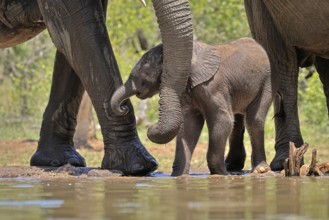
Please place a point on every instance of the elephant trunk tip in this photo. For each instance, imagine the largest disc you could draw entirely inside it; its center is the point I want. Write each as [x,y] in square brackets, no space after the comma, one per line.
[118,101]
[120,109]
[157,135]
[123,110]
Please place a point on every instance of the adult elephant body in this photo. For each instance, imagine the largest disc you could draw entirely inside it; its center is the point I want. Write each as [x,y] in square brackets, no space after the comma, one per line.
[295,34]
[77,27]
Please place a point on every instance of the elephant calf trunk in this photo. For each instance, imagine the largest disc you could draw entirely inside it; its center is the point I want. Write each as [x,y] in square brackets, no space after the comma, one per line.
[119,97]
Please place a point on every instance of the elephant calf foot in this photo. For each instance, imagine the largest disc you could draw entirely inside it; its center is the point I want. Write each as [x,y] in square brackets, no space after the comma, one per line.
[263,167]
[179,172]
[235,163]
[56,156]
[131,158]
[214,171]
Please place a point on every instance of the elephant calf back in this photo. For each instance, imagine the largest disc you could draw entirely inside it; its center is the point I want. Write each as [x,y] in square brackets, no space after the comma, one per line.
[238,95]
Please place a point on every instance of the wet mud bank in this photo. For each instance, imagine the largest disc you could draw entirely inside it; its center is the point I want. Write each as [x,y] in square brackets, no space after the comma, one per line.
[66,171]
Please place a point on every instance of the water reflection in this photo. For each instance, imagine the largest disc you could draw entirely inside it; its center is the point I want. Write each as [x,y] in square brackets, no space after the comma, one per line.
[201,197]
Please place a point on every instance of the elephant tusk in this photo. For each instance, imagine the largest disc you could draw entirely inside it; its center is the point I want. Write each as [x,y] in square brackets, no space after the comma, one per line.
[143,2]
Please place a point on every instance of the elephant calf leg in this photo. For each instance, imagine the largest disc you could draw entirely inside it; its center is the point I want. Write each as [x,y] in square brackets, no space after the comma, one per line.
[219,130]
[255,121]
[236,156]
[186,141]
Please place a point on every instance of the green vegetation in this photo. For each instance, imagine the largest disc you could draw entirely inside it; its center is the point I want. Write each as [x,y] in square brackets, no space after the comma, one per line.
[25,78]
[25,73]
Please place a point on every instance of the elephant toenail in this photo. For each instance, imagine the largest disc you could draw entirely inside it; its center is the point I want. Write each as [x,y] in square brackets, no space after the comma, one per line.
[137,168]
[55,163]
[154,164]
[73,161]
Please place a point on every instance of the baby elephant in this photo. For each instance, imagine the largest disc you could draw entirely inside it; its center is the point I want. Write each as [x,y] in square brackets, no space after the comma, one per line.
[229,86]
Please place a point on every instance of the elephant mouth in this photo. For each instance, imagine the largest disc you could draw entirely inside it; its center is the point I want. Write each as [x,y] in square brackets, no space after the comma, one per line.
[141,96]
[145,95]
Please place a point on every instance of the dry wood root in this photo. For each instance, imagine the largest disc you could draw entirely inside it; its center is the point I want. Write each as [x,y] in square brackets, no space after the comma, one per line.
[293,163]
[314,170]
[324,167]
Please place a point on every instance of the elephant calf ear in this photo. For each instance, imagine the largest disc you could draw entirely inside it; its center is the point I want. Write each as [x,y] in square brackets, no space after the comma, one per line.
[205,63]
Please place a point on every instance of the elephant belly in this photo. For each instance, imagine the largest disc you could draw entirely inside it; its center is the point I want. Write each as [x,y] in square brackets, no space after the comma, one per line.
[19,21]
[10,38]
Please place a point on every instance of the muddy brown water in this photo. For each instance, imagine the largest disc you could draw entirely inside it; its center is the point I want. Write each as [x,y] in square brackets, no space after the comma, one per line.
[165,197]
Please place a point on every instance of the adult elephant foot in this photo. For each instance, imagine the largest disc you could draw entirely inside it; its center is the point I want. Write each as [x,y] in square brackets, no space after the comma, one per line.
[131,158]
[56,156]
[282,153]
[278,160]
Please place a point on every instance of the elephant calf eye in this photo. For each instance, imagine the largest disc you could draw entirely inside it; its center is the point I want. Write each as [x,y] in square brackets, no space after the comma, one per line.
[143,75]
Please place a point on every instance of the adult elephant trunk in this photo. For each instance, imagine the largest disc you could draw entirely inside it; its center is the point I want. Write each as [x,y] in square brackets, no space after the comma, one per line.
[175,23]
[120,95]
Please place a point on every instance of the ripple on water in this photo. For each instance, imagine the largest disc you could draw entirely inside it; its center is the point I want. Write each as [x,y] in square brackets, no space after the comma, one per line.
[22,186]
[39,203]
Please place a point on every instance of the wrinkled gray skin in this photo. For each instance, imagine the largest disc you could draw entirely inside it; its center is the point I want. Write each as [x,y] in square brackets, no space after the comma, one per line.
[76,28]
[229,88]
[294,33]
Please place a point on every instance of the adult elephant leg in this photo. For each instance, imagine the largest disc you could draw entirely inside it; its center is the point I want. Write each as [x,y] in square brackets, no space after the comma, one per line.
[78,30]
[284,72]
[237,153]
[55,147]
[287,127]
[322,66]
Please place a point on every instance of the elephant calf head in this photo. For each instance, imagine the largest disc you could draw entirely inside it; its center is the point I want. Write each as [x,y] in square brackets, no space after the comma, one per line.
[144,80]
